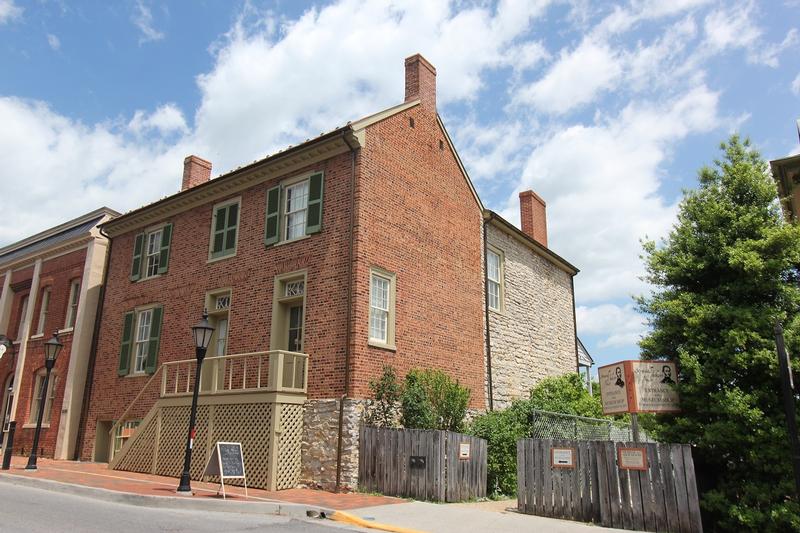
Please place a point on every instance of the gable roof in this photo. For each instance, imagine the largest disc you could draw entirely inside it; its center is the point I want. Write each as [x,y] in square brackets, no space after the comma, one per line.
[584,359]
[54,236]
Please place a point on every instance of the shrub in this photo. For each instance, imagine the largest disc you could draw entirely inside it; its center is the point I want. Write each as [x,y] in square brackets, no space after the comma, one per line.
[566,394]
[384,408]
[432,400]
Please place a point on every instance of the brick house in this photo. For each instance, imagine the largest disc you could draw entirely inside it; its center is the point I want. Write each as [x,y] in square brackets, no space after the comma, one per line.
[50,282]
[321,263]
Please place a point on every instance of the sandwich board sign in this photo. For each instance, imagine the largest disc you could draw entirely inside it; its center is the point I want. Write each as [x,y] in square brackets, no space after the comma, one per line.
[639,387]
[227,462]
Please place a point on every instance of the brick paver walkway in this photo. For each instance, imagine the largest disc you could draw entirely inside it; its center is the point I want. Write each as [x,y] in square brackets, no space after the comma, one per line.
[99,476]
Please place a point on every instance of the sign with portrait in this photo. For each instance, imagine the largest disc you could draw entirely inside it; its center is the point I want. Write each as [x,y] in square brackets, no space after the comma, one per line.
[613,388]
[639,387]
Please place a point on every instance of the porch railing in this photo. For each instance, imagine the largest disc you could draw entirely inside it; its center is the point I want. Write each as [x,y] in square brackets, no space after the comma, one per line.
[271,371]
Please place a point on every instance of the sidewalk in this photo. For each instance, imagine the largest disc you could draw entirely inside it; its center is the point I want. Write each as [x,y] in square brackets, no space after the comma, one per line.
[98,476]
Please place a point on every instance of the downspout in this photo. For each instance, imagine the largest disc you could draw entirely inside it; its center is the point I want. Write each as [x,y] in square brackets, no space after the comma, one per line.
[574,323]
[490,388]
[87,391]
[347,355]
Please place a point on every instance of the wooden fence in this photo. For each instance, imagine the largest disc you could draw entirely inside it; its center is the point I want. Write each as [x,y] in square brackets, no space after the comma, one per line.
[422,464]
[661,497]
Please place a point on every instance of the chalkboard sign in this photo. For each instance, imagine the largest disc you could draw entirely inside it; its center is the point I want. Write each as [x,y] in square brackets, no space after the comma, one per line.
[227,461]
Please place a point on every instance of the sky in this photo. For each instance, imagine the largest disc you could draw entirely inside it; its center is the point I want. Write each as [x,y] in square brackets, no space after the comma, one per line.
[606,110]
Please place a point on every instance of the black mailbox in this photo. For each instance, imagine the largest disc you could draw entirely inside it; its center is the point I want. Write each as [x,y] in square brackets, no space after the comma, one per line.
[417,461]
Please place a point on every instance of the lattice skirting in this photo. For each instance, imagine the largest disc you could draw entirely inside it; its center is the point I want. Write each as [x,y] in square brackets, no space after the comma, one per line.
[270,433]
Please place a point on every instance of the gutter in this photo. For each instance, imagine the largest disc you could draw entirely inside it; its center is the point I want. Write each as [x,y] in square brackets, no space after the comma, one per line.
[348,329]
[87,390]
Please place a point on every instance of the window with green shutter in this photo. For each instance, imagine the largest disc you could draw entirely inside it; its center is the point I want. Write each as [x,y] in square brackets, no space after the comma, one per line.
[151,253]
[125,348]
[141,338]
[224,229]
[294,209]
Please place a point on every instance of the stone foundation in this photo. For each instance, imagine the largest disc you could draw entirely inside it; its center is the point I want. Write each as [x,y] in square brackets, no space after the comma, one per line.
[320,441]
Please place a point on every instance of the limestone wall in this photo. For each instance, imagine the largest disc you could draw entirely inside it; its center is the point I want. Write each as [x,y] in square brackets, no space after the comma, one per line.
[320,440]
[534,334]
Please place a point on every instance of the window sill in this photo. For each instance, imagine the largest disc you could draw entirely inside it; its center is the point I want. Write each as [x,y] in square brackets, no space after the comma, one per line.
[148,278]
[290,241]
[500,312]
[66,330]
[37,336]
[32,425]
[382,345]
[215,259]
[138,375]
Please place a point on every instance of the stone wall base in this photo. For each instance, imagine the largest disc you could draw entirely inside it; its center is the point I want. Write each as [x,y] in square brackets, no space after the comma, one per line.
[320,441]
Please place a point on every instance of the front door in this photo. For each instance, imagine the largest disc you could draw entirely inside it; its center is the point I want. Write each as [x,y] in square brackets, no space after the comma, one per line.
[295,333]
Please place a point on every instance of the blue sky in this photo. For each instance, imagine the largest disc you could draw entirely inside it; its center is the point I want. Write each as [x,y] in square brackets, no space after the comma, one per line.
[605,109]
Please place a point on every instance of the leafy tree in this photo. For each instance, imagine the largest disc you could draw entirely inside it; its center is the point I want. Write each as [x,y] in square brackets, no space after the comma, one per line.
[725,274]
[566,394]
[432,400]
[386,392]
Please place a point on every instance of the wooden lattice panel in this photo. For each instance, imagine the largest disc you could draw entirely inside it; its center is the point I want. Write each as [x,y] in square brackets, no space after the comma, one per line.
[172,442]
[139,458]
[289,446]
[249,424]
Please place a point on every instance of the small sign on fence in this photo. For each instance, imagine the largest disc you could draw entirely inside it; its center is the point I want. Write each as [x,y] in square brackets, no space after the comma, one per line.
[562,457]
[632,458]
[227,461]
[463,451]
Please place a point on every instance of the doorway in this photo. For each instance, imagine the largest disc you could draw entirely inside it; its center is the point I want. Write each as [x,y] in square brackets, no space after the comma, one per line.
[289,313]
[8,401]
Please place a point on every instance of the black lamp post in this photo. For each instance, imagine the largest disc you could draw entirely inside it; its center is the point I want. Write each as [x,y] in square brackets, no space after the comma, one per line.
[201,332]
[51,351]
[7,349]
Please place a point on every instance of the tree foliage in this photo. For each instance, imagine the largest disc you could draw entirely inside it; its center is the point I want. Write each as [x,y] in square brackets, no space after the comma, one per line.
[432,400]
[723,277]
[566,394]
[385,406]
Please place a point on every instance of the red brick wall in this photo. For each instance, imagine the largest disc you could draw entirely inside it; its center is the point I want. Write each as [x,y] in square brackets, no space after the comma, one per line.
[418,219]
[57,274]
[533,216]
[250,275]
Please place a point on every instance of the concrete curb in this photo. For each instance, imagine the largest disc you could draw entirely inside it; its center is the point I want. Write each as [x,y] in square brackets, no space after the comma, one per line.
[292,510]
[348,518]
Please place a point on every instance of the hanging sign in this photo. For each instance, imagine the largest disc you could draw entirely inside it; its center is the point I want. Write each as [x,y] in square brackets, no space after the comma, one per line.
[639,387]
[562,457]
[227,462]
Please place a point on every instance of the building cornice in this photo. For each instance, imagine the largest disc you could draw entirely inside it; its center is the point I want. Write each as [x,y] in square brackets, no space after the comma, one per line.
[507,227]
[323,147]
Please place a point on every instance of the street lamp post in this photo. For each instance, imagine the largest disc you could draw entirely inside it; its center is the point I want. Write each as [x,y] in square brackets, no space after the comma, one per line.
[51,351]
[7,349]
[201,332]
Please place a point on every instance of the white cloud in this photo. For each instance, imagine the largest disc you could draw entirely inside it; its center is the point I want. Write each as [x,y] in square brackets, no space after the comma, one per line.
[602,187]
[142,18]
[166,119]
[575,79]
[53,41]
[9,11]
[618,325]
[796,85]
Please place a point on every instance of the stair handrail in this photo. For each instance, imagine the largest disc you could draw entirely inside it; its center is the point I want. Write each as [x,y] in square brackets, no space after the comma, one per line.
[121,419]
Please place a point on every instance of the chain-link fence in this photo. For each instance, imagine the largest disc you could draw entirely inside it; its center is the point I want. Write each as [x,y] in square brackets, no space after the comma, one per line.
[547,425]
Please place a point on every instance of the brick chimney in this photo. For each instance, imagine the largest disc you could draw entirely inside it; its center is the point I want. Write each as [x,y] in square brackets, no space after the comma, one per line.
[196,171]
[421,81]
[533,216]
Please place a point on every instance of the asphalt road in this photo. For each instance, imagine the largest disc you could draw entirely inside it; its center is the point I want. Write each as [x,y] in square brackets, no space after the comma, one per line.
[26,509]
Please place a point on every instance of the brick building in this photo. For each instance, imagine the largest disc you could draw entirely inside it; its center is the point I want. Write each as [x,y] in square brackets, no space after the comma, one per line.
[321,263]
[50,282]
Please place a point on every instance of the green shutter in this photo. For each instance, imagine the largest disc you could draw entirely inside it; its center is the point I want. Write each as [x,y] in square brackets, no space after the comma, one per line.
[136,267]
[155,339]
[125,349]
[314,212]
[226,227]
[163,256]
[219,231]
[272,228]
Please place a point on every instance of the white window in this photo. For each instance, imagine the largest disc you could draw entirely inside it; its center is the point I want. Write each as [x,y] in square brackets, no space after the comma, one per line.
[152,253]
[144,320]
[124,432]
[37,397]
[295,210]
[222,336]
[381,308]
[72,310]
[22,315]
[494,279]
[43,311]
